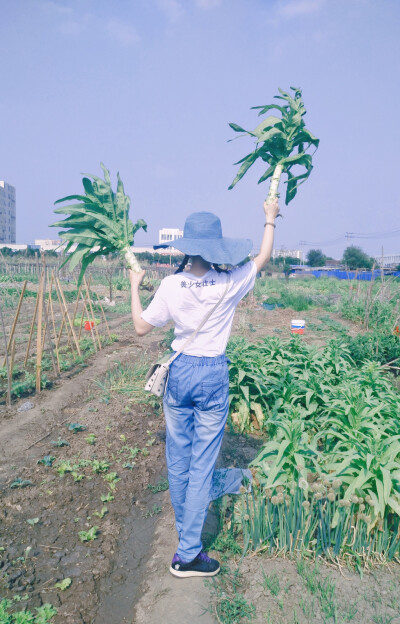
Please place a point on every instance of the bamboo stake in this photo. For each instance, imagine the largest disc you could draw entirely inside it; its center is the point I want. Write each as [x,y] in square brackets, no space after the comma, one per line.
[7,361]
[53,322]
[68,317]
[91,310]
[103,314]
[86,311]
[15,318]
[31,332]
[39,335]
[46,322]
[83,312]
[12,362]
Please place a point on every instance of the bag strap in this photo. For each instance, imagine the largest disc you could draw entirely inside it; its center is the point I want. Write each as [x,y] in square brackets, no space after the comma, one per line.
[203,322]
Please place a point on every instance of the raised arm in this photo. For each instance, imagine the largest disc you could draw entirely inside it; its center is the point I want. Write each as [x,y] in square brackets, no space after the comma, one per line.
[142,327]
[271,210]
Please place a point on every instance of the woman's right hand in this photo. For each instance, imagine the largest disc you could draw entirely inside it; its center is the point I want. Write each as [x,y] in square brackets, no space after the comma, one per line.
[136,278]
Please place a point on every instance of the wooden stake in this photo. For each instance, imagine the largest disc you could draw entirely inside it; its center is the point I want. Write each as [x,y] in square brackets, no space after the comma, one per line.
[91,310]
[12,362]
[39,335]
[10,339]
[7,360]
[68,317]
[86,311]
[103,314]
[31,331]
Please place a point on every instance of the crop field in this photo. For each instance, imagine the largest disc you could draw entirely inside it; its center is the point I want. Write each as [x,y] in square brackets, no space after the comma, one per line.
[85,516]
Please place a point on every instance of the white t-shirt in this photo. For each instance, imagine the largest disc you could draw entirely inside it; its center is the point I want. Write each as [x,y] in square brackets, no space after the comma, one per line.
[185,299]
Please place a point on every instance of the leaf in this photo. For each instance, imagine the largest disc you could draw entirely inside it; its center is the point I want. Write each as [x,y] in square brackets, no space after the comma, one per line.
[33,521]
[394,504]
[268,122]
[237,128]
[249,160]
[264,109]
[291,189]
[269,172]
[64,584]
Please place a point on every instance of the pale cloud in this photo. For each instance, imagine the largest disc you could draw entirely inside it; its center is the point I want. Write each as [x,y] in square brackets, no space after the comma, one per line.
[121,32]
[56,7]
[295,8]
[172,9]
[208,4]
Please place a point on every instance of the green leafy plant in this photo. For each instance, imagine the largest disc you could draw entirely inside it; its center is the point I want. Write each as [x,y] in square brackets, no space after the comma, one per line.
[100,219]
[282,142]
[107,498]
[100,466]
[89,535]
[76,427]
[33,521]
[47,460]
[21,483]
[102,513]
[60,442]
[64,584]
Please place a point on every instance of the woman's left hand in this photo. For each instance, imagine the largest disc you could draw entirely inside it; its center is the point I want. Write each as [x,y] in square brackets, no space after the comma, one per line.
[271,209]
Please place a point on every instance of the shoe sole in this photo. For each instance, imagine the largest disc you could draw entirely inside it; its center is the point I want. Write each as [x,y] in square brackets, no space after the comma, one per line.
[188,573]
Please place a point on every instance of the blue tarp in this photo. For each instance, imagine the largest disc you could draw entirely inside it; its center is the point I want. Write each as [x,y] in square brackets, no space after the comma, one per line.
[350,275]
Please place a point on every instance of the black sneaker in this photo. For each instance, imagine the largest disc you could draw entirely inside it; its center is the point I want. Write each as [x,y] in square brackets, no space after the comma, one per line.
[203,565]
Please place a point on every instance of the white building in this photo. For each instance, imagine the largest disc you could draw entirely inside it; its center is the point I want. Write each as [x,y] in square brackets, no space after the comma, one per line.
[48,244]
[389,262]
[287,253]
[166,235]
[8,213]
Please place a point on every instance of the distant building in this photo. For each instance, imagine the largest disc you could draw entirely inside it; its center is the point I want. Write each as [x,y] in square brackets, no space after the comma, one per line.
[287,253]
[48,244]
[8,213]
[166,235]
[389,262]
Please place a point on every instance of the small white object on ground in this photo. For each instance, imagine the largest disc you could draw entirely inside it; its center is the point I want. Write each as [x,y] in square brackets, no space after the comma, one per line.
[25,406]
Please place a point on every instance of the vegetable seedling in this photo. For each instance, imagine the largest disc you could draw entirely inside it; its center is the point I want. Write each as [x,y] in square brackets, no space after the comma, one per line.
[75,427]
[91,439]
[47,460]
[21,483]
[282,142]
[64,584]
[90,535]
[59,443]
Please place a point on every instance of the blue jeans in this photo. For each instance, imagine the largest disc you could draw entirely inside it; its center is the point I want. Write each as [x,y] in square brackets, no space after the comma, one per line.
[196,406]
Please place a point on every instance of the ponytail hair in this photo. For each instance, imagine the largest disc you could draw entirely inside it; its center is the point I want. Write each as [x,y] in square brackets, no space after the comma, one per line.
[182,264]
[218,269]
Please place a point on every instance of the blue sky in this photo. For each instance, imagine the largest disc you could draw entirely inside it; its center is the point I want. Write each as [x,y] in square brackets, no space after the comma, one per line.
[149,86]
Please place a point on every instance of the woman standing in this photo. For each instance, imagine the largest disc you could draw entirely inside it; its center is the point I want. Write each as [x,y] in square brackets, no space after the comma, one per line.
[196,401]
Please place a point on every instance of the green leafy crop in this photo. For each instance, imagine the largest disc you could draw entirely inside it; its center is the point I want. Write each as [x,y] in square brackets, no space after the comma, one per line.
[281,142]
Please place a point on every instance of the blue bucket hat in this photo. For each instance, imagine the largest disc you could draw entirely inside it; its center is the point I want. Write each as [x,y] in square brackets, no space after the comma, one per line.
[202,236]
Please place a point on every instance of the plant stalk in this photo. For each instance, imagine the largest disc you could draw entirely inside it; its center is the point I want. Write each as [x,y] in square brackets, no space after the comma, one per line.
[273,187]
[131,259]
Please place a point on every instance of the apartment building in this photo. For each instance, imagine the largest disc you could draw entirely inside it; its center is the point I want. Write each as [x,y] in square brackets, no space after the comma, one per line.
[8,213]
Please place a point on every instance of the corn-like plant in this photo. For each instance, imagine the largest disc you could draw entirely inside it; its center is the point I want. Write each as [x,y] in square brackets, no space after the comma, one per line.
[98,224]
[282,142]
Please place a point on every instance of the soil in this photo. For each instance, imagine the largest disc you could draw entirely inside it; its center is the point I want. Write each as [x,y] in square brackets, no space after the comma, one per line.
[121,577]
[373,599]
[63,507]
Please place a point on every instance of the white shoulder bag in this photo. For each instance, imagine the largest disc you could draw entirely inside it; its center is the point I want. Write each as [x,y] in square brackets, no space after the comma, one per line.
[157,377]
